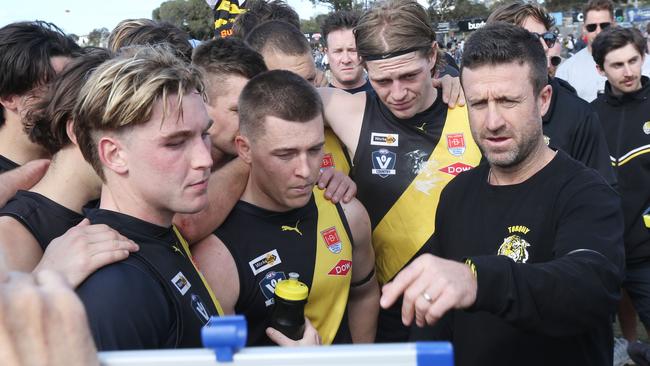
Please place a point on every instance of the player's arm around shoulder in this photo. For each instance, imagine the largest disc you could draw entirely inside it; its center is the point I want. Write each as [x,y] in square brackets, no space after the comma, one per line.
[343,112]
[19,250]
[363,302]
[217,265]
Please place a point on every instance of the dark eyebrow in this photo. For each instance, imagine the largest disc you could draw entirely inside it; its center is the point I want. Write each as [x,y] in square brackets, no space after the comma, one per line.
[185,133]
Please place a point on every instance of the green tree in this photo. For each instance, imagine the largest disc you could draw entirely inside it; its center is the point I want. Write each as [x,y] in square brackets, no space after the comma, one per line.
[192,16]
[313,24]
[454,10]
[98,37]
[337,5]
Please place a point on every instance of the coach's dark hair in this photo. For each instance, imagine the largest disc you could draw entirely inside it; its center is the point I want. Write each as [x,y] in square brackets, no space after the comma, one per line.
[46,120]
[278,36]
[517,13]
[500,43]
[614,38]
[141,32]
[25,52]
[260,11]
[338,20]
[276,93]
[594,5]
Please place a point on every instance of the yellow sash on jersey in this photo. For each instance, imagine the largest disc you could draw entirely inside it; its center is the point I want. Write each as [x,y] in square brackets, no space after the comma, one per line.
[411,220]
[328,296]
[333,150]
[186,248]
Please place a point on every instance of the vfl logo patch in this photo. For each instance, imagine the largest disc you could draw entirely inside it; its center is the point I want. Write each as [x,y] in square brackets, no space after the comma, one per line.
[268,283]
[646,128]
[456,144]
[384,139]
[341,268]
[200,309]
[455,169]
[332,240]
[328,161]
[383,162]
[181,283]
[292,228]
[265,261]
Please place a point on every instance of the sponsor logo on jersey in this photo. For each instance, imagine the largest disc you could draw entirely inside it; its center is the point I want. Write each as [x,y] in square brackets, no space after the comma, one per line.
[384,139]
[332,240]
[341,268]
[268,283]
[421,127]
[292,228]
[383,162]
[455,168]
[177,250]
[181,283]
[328,161]
[646,128]
[200,309]
[547,140]
[265,261]
[514,247]
[456,144]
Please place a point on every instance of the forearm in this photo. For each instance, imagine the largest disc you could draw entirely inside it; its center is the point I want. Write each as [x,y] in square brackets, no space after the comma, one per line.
[363,309]
[224,190]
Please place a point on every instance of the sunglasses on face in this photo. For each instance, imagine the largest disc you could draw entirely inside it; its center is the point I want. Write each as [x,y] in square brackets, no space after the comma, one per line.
[592,27]
[548,37]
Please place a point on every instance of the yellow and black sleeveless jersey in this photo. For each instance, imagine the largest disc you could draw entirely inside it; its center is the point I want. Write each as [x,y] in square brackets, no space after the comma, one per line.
[45,219]
[400,167]
[225,12]
[156,298]
[335,155]
[6,164]
[313,241]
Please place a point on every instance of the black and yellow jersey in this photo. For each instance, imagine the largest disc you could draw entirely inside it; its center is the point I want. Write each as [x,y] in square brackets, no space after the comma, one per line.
[7,165]
[313,241]
[335,155]
[225,12]
[156,298]
[45,219]
[400,167]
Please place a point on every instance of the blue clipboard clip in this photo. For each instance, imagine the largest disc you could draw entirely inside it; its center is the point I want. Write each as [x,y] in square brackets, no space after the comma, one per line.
[225,335]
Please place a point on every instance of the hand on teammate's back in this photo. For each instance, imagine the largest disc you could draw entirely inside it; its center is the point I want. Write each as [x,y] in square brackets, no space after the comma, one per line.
[452,91]
[337,185]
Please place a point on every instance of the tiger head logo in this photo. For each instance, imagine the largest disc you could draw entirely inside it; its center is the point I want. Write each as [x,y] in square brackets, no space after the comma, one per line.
[514,247]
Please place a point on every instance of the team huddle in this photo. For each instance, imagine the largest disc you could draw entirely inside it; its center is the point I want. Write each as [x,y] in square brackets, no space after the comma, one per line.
[497,210]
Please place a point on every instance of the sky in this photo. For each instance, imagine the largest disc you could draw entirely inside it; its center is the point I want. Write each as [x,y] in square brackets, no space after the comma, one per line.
[82,16]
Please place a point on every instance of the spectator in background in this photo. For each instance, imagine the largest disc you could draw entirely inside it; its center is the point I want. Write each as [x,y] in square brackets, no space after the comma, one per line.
[580,70]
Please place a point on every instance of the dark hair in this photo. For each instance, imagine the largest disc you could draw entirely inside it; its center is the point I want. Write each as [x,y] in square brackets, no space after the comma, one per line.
[517,12]
[279,36]
[140,32]
[338,20]
[227,56]
[614,38]
[25,52]
[599,5]
[46,119]
[501,43]
[276,93]
[260,11]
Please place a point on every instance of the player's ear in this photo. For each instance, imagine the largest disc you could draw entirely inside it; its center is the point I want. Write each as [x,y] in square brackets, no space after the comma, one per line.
[242,143]
[112,154]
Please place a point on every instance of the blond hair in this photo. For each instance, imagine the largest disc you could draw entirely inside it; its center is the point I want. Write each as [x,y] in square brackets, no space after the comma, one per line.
[122,92]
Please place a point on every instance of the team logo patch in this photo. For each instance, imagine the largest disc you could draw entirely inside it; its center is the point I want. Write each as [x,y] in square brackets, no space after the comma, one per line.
[341,268]
[456,144]
[514,247]
[265,261]
[455,168]
[547,140]
[646,128]
[268,283]
[383,162]
[328,161]
[200,309]
[181,283]
[384,139]
[332,240]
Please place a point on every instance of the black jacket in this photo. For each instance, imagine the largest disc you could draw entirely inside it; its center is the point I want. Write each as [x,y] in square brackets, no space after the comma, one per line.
[572,125]
[626,122]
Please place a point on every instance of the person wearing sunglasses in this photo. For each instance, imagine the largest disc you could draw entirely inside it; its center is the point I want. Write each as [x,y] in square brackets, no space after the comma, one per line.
[570,124]
[580,70]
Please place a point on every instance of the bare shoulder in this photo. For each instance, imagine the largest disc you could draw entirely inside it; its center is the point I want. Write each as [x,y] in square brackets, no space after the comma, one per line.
[218,266]
[358,219]
[19,248]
